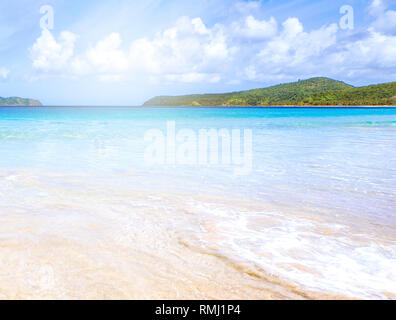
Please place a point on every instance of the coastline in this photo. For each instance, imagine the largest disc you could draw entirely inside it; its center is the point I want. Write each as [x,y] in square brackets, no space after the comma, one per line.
[313,92]
[218,107]
[195,263]
[280,107]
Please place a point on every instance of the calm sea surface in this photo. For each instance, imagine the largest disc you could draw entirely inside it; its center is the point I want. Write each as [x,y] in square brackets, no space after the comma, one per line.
[84,215]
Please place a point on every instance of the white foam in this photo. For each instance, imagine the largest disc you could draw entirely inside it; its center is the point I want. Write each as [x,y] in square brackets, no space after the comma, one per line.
[328,263]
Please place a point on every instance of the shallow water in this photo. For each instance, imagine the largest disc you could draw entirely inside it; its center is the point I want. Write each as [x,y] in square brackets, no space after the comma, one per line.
[83,215]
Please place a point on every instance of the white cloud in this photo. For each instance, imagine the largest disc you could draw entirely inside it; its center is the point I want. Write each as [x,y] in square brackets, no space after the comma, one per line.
[184,52]
[49,55]
[378,51]
[376,7]
[292,27]
[106,60]
[292,50]
[386,22]
[245,7]
[4,73]
[255,29]
[187,52]
[191,52]
[107,56]
[58,57]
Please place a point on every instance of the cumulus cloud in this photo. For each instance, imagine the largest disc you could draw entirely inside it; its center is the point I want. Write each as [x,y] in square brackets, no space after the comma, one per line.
[106,60]
[107,56]
[386,22]
[292,51]
[49,55]
[376,52]
[184,52]
[189,51]
[252,28]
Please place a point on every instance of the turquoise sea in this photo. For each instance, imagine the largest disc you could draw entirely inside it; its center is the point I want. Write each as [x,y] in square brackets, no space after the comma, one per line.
[83,214]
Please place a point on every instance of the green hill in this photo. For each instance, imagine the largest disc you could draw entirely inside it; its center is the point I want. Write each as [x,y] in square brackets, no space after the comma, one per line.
[311,92]
[19,102]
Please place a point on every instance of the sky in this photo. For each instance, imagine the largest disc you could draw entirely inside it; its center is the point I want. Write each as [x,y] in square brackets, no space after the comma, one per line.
[121,53]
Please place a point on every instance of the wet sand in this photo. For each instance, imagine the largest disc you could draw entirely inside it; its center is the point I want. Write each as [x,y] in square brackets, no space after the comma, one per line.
[66,237]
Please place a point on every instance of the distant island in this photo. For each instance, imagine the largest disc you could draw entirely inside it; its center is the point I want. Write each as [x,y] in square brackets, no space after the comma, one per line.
[19,102]
[312,92]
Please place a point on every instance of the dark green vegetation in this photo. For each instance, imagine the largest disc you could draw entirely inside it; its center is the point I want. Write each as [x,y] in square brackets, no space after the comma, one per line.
[18,102]
[311,92]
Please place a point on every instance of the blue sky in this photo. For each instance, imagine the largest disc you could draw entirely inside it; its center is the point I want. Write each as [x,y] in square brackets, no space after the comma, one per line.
[124,52]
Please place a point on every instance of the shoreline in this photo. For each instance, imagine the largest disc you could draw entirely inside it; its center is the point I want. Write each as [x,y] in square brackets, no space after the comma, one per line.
[213,107]
[207,269]
[280,107]
[229,277]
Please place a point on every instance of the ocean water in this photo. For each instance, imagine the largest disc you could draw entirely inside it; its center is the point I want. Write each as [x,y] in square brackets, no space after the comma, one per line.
[83,214]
